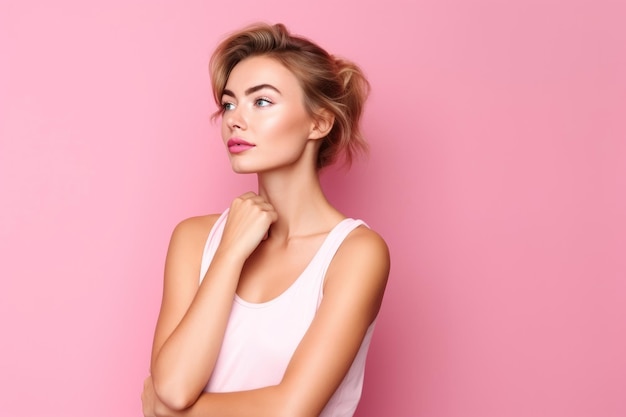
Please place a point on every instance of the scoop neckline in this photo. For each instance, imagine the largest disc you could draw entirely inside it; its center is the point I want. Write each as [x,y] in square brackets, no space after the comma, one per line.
[295,283]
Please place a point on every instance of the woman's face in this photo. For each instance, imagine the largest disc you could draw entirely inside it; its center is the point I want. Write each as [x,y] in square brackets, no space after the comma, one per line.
[265,125]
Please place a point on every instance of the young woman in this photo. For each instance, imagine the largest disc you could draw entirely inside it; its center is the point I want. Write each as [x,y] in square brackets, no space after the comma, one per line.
[269,307]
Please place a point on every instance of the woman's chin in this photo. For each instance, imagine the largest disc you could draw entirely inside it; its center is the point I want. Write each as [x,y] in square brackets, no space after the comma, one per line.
[243,171]
[238,169]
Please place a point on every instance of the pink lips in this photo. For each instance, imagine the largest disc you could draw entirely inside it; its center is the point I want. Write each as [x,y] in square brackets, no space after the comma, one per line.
[236,145]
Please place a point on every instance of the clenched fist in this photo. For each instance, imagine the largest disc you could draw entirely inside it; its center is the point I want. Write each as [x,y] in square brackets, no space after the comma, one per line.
[249,219]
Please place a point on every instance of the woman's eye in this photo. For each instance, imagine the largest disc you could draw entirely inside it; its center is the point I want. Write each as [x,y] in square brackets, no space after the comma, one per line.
[263,102]
[227,106]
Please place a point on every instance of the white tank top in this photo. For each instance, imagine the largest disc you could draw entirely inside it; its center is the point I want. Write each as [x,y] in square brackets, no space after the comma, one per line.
[261,338]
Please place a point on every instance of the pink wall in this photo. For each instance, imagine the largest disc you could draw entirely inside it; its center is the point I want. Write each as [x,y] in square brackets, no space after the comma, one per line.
[497,176]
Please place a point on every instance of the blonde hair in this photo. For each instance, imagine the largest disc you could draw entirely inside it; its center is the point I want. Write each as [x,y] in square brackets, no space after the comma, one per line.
[329,83]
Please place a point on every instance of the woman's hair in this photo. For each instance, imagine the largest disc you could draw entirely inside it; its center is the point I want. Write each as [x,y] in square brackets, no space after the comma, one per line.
[329,83]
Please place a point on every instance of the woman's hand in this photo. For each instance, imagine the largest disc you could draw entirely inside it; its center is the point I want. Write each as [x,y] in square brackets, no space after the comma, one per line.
[249,219]
[148,398]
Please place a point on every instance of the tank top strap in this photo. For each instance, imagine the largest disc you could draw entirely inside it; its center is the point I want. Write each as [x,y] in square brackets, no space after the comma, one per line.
[336,237]
[212,242]
[330,247]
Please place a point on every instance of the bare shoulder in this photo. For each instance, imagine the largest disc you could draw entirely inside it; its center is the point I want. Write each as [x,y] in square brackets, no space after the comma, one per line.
[188,240]
[194,228]
[364,246]
[365,239]
[362,258]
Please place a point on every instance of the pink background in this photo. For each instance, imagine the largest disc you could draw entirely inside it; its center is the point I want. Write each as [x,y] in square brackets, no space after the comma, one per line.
[497,176]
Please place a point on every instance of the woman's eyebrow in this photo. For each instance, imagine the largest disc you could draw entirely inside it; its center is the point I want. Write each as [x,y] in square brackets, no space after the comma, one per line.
[251,90]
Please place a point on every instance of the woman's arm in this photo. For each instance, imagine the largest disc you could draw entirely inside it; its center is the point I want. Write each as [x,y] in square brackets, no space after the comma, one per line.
[355,283]
[193,319]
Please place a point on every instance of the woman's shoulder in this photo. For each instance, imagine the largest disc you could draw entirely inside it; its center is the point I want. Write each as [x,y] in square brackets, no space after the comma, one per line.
[197,223]
[364,242]
[364,255]
[359,271]
[193,231]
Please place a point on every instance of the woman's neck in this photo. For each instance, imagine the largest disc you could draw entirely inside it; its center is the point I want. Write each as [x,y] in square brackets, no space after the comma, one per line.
[300,203]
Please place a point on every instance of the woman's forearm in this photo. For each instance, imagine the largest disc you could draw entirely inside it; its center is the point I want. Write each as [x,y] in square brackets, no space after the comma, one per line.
[264,402]
[186,360]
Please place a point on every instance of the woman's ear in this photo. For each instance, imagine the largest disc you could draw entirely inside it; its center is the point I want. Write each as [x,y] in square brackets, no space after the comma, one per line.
[322,124]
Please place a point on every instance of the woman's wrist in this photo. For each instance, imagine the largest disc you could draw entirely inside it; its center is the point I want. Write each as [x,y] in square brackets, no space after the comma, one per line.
[229,257]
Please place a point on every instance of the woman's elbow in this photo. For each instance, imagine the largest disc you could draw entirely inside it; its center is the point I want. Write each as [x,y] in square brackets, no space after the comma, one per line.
[291,404]
[173,395]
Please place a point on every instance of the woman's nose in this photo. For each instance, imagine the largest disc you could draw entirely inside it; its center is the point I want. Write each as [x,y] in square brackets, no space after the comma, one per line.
[235,119]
